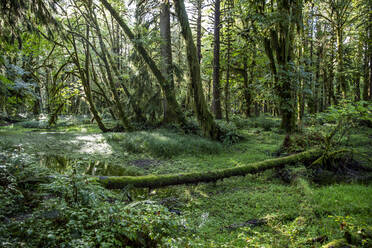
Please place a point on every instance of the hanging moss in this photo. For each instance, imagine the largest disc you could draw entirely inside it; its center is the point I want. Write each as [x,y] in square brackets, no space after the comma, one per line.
[154,181]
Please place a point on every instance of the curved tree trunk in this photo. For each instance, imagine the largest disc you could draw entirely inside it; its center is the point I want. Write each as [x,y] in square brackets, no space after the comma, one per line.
[111,82]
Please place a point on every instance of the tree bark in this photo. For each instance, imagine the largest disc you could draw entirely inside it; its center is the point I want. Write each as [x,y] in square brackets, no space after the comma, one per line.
[216,102]
[155,181]
[166,54]
[199,7]
[366,73]
[228,37]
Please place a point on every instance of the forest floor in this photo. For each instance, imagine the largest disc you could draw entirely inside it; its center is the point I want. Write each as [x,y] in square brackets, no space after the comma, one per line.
[258,210]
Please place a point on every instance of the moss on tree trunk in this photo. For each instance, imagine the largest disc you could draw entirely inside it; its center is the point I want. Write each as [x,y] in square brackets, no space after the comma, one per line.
[154,181]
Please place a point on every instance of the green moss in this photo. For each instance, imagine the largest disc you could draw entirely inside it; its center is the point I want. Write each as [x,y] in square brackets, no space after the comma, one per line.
[337,244]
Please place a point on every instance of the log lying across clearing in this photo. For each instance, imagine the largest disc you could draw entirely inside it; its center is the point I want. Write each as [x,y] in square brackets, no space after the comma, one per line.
[156,181]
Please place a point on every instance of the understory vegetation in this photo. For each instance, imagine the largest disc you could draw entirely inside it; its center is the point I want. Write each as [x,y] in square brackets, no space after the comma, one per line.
[48,200]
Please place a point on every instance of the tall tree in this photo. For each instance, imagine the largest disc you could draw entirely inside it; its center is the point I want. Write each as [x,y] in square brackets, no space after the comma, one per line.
[205,118]
[279,49]
[216,102]
[166,54]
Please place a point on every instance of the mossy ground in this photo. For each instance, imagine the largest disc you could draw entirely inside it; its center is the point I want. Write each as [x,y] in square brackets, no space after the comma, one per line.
[295,213]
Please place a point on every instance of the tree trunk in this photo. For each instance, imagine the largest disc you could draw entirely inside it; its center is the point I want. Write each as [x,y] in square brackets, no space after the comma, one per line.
[167,64]
[247,90]
[317,79]
[279,49]
[228,37]
[370,52]
[207,123]
[340,64]
[199,7]
[216,102]
[366,73]
[357,86]
[156,181]
[85,80]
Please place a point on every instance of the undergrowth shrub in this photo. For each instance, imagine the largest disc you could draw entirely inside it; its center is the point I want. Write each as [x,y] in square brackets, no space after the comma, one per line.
[230,132]
[266,123]
[300,142]
[192,127]
[69,212]
[241,122]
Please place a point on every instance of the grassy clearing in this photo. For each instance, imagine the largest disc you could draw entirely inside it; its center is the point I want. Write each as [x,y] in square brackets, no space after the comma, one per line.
[295,213]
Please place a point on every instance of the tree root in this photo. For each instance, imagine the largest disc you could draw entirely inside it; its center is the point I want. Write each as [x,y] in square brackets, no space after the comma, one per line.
[156,181]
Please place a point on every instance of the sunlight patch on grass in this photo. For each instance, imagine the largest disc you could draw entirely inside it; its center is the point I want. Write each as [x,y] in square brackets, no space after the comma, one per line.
[94,144]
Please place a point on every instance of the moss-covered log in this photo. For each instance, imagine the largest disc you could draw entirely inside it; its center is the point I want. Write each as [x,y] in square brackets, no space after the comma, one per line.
[154,181]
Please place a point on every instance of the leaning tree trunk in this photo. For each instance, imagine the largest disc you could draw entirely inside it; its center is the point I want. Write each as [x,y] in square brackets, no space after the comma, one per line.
[155,181]
[167,89]
[205,118]
[85,80]
[111,82]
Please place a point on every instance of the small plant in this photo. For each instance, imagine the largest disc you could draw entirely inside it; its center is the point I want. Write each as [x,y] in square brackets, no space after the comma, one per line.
[230,131]
[346,116]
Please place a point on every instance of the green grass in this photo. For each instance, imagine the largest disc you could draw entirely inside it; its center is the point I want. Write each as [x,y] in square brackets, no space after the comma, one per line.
[295,213]
[164,143]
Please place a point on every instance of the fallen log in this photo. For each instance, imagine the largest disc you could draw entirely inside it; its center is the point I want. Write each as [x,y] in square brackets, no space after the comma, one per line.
[156,181]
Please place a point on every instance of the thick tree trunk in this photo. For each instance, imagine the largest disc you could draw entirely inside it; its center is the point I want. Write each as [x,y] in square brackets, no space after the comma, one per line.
[206,121]
[216,102]
[167,64]
[279,49]
[155,181]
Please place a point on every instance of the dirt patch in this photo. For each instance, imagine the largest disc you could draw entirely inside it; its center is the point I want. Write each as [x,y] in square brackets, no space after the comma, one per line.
[145,163]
